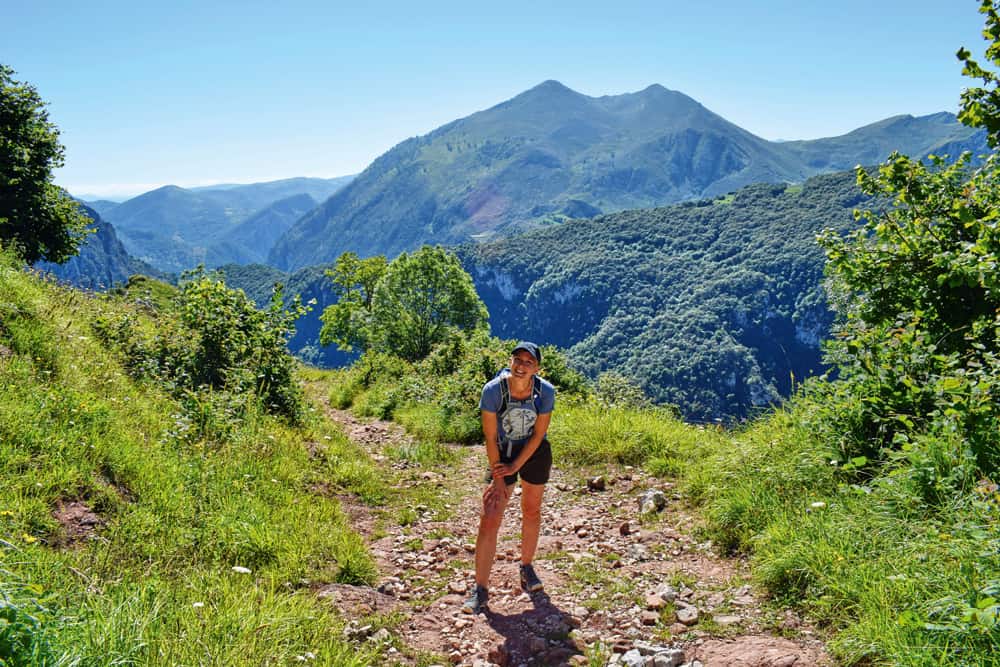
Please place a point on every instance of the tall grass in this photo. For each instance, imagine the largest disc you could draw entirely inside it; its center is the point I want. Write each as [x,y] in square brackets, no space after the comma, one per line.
[185,487]
[897,579]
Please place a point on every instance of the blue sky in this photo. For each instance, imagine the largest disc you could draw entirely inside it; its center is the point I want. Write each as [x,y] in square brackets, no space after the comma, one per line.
[193,93]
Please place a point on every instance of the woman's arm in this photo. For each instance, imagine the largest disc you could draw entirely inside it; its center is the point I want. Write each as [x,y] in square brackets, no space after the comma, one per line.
[496,492]
[489,420]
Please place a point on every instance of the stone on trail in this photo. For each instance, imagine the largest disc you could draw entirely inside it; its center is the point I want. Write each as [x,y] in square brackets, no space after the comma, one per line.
[655,601]
[687,615]
[653,500]
[667,592]
[597,483]
[726,619]
[458,587]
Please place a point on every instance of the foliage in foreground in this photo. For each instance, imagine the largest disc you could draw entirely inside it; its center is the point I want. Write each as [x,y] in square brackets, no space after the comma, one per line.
[872,501]
[203,522]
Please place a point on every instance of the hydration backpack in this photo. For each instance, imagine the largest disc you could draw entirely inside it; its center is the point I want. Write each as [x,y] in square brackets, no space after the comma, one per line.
[536,391]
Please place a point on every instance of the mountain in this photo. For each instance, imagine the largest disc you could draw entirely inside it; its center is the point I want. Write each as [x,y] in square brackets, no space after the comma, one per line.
[255,196]
[938,133]
[170,227]
[102,261]
[175,228]
[551,154]
[250,241]
[102,206]
[715,306]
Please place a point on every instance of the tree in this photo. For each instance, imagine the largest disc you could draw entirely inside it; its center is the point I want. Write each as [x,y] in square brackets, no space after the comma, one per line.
[347,322]
[41,220]
[918,290]
[981,104]
[404,308]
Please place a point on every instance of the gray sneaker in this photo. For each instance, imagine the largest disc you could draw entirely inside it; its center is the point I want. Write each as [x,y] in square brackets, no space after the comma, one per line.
[476,602]
[529,580]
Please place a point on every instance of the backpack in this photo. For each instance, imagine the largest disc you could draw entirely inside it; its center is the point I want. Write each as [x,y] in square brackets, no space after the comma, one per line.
[536,391]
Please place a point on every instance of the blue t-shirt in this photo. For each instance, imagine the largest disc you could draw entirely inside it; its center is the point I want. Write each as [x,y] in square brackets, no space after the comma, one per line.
[517,424]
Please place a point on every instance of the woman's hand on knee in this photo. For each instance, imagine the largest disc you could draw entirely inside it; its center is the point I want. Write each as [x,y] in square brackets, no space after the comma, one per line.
[495,496]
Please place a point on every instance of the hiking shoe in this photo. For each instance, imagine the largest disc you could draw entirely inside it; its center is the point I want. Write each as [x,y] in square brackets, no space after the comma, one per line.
[476,601]
[529,580]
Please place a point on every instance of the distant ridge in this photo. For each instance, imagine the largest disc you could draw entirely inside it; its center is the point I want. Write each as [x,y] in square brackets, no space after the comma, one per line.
[175,228]
[550,153]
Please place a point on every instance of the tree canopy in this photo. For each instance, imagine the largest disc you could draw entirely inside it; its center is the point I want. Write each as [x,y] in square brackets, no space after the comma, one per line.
[41,220]
[404,307]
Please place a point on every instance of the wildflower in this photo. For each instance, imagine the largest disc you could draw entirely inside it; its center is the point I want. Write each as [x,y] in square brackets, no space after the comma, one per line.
[197,605]
[818,505]
[28,539]
[239,569]
[6,513]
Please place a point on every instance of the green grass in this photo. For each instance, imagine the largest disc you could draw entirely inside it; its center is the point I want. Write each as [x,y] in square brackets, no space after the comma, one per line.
[587,433]
[890,576]
[896,567]
[186,489]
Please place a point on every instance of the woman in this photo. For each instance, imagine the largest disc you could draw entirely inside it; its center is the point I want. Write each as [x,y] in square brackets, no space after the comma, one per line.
[516,408]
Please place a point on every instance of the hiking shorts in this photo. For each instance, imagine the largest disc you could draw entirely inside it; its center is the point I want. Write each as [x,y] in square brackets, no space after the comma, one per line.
[534,471]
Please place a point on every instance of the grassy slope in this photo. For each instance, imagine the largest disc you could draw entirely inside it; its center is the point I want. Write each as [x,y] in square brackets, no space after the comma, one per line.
[183,504]
[188,495]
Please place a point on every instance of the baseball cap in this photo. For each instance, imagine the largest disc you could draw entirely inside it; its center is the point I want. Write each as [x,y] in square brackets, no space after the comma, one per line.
[530,348]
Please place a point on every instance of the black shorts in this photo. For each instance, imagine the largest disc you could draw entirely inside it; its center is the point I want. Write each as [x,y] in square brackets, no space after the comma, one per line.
[535,470]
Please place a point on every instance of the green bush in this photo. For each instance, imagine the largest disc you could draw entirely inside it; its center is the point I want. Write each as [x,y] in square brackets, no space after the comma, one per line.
[212,337]
[437,398]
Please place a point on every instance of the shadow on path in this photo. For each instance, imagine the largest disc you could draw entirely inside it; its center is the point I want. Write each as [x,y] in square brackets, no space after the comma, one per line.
[539,633]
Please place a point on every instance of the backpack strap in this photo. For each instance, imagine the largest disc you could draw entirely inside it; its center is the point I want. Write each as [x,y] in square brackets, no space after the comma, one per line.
[504,395]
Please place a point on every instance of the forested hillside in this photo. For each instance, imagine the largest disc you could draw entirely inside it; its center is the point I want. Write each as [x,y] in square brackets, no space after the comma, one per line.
[551,153]
[715,306]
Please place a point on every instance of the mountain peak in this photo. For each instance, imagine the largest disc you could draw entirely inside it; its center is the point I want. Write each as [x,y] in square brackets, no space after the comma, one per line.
[551,85]
[165,189]
[654,88]
[550,90]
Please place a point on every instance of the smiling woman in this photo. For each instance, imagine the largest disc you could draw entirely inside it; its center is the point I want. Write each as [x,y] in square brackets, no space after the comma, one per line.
[516,410]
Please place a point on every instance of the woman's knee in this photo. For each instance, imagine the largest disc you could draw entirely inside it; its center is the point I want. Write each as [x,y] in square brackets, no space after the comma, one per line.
[491,515]
[531,511]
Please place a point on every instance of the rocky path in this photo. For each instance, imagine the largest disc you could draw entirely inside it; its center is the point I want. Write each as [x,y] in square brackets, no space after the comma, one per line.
[621,587]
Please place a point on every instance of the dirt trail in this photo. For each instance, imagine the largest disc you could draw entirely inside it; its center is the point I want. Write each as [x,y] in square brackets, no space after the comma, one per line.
[619,588]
